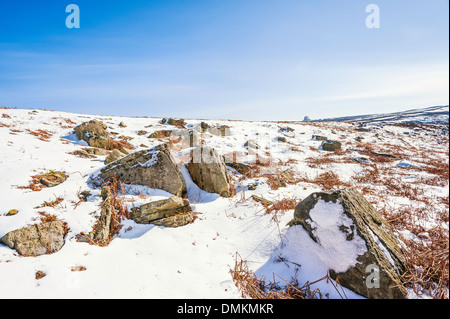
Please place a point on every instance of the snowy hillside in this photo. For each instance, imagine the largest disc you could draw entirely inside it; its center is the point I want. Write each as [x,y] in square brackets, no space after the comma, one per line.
[402,170]
[428,115]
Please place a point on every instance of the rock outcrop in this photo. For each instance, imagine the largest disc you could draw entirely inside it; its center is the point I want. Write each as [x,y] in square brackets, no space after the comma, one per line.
[155,168]
[94,133]
[209,172]
[382,252]
[36,240]
[102,232]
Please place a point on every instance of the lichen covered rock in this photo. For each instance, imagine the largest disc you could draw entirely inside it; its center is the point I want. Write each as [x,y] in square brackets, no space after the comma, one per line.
[155,168]
[208,170]
[36,240]
[376,246]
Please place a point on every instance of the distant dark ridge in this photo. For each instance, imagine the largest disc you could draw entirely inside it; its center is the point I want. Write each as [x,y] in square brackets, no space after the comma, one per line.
[428,115]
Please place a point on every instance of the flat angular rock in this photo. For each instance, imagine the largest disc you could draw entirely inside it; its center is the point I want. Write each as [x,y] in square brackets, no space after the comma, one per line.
[178,220]
[152,211]
[36,240]
[161,134]
[382,247]
[209,172]
[155,168]
[53,179]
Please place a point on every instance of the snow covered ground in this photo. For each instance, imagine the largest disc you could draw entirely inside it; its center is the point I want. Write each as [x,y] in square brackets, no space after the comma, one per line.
[194,261]
[429,115]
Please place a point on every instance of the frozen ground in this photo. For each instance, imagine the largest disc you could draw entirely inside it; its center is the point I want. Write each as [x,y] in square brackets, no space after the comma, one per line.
[194,261]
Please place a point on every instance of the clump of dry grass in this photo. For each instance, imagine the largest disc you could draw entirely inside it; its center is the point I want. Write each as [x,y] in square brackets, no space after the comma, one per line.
[52,203]
[42,135]
[78,268]
[113,144]
[427,252]
[46,218]
[428,263]
[252,287]
[281,206]
[118,208]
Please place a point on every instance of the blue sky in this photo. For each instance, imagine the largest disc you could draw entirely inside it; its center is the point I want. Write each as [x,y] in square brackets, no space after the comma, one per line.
[233,59]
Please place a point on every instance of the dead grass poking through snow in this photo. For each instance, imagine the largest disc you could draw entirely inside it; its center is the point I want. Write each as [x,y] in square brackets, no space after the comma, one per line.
[42,135]
[426,249]
[250,286]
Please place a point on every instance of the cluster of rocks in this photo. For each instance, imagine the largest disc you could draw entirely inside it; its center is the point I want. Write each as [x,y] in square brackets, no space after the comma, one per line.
[101,143]
[157,168]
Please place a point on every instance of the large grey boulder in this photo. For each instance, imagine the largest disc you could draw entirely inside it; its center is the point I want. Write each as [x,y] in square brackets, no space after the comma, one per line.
[377,271]
[163,208]
[208,170]
[36,240]
[155,168]
[53,179]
